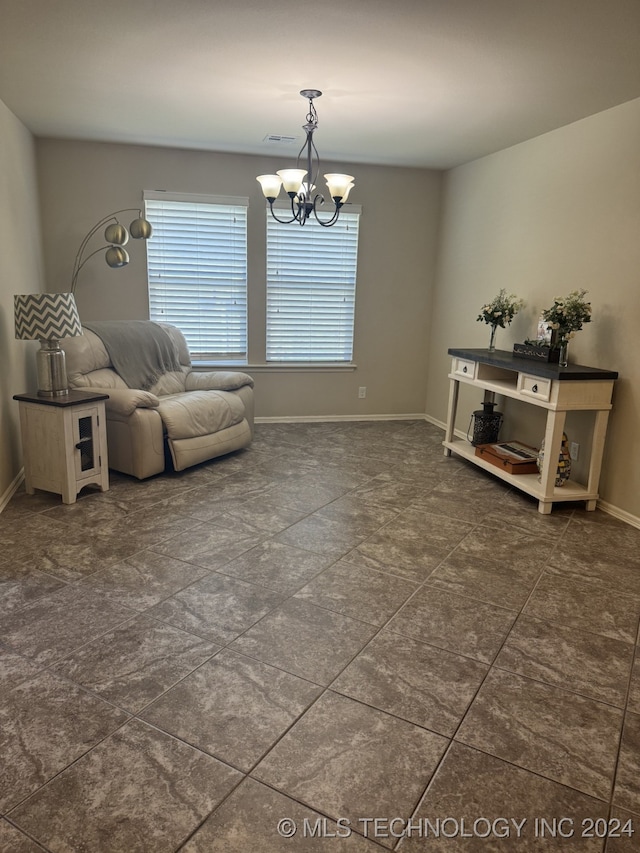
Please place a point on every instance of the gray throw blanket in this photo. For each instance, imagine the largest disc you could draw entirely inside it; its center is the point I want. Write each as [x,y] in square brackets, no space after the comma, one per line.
[140,350]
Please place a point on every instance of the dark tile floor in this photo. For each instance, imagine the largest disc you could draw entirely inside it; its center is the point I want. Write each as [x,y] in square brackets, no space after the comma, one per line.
[339,628]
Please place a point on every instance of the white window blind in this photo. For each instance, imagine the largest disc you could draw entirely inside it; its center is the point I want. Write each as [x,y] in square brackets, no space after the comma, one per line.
[197,269]
[311,289]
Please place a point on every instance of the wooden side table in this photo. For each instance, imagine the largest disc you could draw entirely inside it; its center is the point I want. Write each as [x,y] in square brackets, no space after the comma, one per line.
[64,442]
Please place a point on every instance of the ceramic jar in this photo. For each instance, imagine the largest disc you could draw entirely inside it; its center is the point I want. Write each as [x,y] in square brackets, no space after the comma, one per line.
[564,461]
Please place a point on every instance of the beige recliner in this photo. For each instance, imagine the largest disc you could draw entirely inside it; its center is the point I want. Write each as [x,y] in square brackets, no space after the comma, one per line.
[199,415]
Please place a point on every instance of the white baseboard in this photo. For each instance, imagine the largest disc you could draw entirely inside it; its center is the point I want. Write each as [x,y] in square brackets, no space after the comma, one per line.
[305,419]
[616,512]
[440,424]
[12,489]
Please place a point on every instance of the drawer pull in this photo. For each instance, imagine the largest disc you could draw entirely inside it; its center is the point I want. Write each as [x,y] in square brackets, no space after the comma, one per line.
[464,369]
[534,388]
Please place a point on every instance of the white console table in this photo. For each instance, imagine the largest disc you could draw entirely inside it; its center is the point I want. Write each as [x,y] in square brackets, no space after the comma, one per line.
[549,386]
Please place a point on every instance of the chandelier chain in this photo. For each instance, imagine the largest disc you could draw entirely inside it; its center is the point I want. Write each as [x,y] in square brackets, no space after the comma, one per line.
[312,115]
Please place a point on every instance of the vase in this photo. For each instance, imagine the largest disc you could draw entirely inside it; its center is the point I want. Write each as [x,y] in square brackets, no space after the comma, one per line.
[564,348]
[564,461]
[492,339]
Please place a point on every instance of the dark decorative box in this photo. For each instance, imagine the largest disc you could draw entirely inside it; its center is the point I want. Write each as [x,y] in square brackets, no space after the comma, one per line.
[536,352]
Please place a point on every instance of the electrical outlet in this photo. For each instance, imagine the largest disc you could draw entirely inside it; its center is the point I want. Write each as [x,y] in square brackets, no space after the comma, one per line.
[574,450]
[362,392]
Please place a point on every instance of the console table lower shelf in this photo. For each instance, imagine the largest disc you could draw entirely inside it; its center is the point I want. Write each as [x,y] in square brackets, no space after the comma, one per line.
[528,483]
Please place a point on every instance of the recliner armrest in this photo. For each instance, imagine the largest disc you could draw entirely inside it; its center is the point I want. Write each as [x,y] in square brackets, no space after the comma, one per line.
[217,380]
[124,401]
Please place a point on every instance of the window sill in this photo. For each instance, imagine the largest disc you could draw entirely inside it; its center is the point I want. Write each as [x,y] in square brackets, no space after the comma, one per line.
[277,367]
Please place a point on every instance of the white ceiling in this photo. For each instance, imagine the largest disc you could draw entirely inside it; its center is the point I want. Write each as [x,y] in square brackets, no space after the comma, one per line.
[428,83]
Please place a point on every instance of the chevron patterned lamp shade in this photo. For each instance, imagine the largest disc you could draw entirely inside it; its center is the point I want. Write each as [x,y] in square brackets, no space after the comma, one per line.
[42,316]
[48,317]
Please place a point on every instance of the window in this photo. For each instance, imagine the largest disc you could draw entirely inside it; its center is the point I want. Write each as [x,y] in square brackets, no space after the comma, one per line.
[197,268]
[311,288]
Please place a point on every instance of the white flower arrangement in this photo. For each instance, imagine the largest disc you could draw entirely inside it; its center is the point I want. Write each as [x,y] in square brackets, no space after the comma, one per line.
[568,314]
[501,310]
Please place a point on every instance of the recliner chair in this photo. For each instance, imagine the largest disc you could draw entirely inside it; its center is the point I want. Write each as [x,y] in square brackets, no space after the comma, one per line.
[199,415]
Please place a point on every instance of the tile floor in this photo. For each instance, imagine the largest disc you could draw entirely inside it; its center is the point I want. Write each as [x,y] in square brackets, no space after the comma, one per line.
[340,628]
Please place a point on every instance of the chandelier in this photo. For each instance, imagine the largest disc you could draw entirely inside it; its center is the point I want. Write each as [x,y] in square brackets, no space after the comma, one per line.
[304,200]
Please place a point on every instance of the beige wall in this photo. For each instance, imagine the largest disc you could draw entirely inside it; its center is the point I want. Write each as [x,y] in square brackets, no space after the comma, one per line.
[20,272]
[82,182]
[553,214]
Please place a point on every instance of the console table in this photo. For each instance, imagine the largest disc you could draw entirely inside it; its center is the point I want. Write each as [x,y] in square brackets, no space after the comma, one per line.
[548,386]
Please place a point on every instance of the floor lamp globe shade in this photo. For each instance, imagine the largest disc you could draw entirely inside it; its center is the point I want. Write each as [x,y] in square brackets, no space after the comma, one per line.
[140,229]
[116,257]
[116,233]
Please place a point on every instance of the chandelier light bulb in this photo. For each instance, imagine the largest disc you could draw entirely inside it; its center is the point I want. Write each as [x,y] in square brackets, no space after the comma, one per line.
[339,185]
[270,185]
[305,193]
[292,180]
[348,190]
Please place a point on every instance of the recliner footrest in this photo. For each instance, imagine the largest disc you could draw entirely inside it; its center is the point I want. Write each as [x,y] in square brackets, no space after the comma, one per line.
[196,413]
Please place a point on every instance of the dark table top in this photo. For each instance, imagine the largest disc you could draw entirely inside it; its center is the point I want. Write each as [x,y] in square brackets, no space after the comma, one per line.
[71,398]
[507,360]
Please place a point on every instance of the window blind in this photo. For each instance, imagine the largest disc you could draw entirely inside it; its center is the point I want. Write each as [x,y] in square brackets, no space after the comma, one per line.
[311,289]
[197,270]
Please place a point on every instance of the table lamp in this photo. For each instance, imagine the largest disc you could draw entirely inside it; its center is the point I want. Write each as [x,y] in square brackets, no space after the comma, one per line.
[48,317]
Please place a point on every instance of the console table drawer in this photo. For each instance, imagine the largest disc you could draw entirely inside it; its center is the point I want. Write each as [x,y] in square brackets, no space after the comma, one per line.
[463,367]
[534,387]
